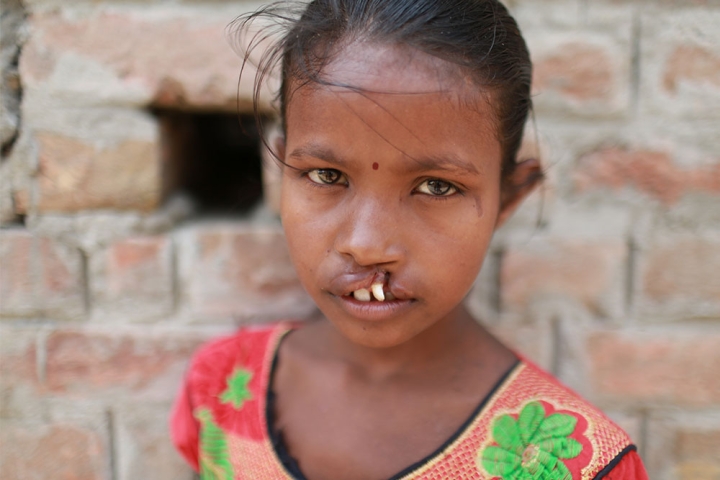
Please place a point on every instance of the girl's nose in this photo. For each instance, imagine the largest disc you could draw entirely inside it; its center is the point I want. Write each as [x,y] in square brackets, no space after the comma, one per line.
[370,234]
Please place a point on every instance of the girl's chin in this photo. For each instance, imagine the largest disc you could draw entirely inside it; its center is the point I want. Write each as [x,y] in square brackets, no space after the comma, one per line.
[374,336]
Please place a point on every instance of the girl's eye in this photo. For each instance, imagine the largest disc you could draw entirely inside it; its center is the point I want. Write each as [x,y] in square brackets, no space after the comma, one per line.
[324,176]
[437,188]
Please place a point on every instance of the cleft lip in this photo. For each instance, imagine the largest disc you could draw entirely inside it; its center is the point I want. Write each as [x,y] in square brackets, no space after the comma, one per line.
[344,285]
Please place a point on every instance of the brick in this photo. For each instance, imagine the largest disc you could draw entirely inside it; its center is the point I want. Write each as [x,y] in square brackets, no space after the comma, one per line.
[589,219]
[103,128]
[632,424]
[585,271]
[683,3]
[92,230]
[694,64]
[679,277]
[661,5]
[534,341]
[94,363]
[18,370]
[697,453]
[558,13]
[683,444]
[61,451]
[694,213]
[676,368]
[651,172]
[18,354]
[581,55]
[579,74]
[39,276]
[680,72]
[241,272]
[144,446]
[76,175]
[154,56]
[7,205]
[132,280]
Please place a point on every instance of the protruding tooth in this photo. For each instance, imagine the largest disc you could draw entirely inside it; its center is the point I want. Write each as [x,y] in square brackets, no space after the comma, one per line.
[377,290]
[362,294]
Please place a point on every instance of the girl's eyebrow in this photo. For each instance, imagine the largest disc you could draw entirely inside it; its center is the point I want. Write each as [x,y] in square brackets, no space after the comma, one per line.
[316,151]
[449,162]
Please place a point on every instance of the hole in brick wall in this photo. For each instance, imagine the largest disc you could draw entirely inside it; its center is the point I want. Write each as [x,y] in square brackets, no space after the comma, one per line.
[14,222]
[214,158]
[19,217]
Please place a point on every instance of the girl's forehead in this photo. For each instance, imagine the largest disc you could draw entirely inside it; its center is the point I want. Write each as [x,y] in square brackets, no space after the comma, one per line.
[387,68]
[396,78]
[380,103]
[393,98]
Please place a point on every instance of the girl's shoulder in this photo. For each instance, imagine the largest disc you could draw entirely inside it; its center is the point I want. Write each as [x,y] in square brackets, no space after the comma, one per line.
[223,394]
[532,422]
[234,369]
[247,346]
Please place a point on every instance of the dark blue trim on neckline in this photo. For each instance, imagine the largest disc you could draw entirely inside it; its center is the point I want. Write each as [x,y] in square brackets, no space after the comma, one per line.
[291,465]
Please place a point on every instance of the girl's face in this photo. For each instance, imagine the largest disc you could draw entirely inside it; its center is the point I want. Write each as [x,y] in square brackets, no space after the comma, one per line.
[397,179]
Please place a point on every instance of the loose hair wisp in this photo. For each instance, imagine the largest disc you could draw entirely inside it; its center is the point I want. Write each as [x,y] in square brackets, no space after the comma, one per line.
[478,36]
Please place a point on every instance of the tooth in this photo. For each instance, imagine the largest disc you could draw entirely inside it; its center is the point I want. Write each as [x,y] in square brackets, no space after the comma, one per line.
[389,296]
[377,290]
[362,295]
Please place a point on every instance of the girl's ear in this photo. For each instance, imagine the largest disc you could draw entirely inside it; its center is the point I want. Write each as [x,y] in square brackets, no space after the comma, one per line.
[524,179]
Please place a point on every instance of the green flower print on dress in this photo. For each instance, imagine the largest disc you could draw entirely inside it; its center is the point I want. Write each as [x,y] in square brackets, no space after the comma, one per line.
[214,456]
[531,447]
[237,388]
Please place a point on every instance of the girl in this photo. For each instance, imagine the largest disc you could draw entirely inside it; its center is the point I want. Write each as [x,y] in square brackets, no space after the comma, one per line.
[402,121]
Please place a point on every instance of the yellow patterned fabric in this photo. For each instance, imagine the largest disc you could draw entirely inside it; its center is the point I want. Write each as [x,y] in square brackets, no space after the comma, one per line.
[530,427]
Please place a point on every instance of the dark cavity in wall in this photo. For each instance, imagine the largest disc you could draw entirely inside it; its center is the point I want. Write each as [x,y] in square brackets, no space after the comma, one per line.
[213,158]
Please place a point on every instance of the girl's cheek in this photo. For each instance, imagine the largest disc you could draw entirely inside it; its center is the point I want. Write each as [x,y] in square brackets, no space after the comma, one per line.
[447,218]
[306,215]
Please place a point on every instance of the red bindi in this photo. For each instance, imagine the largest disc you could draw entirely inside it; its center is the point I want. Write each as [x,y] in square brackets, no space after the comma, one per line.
[375,166]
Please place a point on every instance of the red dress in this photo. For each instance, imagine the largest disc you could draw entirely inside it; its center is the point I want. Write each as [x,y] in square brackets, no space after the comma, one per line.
[530,427]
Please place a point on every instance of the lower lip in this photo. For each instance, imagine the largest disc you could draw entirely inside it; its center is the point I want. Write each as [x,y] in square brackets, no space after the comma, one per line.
[374,311]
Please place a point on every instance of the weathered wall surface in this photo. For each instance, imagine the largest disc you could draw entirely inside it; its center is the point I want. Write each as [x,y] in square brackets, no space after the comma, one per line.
[609,277]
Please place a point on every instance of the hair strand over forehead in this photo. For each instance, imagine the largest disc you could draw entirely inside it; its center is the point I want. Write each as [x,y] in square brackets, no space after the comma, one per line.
[478,36]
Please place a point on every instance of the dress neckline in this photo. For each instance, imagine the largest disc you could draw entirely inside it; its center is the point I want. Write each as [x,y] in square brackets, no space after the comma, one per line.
[291,466]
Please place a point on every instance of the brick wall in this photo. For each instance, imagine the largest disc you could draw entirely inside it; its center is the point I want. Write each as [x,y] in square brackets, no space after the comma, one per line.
[609,277]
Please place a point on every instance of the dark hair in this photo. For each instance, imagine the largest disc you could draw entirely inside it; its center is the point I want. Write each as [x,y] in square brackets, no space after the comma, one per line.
[479,36]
